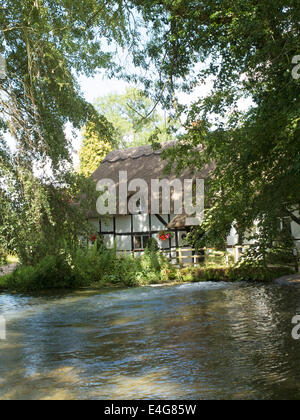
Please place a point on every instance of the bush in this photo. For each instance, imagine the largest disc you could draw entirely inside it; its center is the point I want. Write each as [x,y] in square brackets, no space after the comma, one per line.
[218,258]
[98,266]
[52,272]
[242,273]
[93,266]
[3,257]
[88,266]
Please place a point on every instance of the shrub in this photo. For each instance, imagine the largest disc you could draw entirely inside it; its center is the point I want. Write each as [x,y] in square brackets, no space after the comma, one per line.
[98,266]
[52,272]
[217,258]
[238,273]
[3,257]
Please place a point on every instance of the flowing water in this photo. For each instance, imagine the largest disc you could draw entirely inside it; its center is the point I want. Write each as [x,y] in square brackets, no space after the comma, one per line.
[192,341]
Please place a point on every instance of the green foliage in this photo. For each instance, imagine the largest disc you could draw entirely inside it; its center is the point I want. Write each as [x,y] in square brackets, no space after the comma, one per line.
[152,265]
[12,259]
[271,246]
[232,274]
[45,45]
[246,49]
[97,266]
[52,272]
[3,257]
[93,266]
[134,118]
[38,218]
[94,149]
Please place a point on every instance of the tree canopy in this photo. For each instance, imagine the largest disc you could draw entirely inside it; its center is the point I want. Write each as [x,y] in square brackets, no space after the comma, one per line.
[247,48]
[45,45]
[134,117]
[93,150]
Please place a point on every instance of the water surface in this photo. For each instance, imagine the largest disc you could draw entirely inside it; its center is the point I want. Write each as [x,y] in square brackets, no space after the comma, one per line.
[193,341]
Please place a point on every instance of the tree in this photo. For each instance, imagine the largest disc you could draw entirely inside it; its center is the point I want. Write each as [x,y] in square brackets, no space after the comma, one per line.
[93,150]
[40,218]
[247,47]
[134,117]
[45,44]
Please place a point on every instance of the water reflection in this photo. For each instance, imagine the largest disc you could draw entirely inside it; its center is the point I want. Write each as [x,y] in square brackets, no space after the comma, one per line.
[206,340]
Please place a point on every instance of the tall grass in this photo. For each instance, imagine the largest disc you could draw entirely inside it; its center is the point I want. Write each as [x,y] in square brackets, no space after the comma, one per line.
[97,267]
[86,267]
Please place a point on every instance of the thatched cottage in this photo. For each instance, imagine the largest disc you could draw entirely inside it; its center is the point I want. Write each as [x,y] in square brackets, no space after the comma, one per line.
[131,232]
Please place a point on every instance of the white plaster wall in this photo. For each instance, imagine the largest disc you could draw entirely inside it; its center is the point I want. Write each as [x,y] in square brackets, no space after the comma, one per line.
[123,242]
[123,224]
[232,238]
[107,224]
[140,223]
[173,240]
[296,231]
[108,240]
[156,224]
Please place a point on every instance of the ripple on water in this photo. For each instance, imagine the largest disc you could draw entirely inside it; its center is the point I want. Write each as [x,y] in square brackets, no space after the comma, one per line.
[196,340]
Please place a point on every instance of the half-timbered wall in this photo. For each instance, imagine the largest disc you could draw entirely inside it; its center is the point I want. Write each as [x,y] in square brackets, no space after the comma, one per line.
[124,229]
[296,232]
[131,232]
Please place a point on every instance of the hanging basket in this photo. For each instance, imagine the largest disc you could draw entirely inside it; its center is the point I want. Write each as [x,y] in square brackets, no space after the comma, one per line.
[164,235]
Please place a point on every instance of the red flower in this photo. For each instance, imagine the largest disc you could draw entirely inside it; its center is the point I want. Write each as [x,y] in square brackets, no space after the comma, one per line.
[163,236]
[93,238]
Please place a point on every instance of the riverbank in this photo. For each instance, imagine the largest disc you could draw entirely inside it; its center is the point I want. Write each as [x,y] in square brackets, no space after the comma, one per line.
[289,280]
[46,277]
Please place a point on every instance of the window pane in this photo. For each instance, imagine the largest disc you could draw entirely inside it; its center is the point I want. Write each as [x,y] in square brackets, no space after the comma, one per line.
[137,242]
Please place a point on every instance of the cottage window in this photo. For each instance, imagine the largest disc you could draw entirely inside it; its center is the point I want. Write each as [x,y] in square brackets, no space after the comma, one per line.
[137,240]
[140,241]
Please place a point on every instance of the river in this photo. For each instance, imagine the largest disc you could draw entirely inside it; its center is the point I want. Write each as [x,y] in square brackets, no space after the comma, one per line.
[191,341]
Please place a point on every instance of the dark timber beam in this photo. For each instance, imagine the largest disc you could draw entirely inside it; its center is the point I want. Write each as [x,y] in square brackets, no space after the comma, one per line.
[162,220]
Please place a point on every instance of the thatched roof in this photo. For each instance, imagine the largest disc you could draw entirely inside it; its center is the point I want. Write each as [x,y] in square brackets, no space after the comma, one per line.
[178,221]
[142,162]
